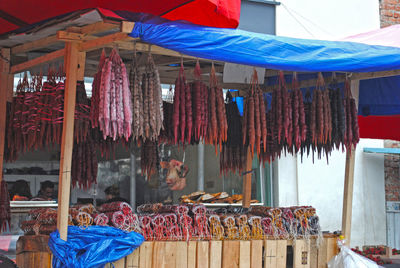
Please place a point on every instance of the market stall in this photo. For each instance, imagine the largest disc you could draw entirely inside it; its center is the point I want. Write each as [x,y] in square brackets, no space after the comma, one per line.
[243,248]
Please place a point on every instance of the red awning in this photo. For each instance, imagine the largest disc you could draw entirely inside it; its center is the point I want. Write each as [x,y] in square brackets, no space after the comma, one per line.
[379,127]
[216,13]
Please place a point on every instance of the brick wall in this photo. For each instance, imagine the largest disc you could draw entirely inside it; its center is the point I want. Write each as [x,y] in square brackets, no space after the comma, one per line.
[390,12]
[392,173]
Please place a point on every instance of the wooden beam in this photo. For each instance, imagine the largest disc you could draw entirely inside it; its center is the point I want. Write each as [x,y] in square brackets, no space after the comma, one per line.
[38,44]
[370,75]
[81,66]
[349,179]
[4,83]
[247,180]
[127,27]
[37,61]
[69,36]
[97,27]
[102,41]
[67,142]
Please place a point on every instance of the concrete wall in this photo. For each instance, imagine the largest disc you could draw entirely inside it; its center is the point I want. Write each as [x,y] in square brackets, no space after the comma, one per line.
[321,185]
[330,20]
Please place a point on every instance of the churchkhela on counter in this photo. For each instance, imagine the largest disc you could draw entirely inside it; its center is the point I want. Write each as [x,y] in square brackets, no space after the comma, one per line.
[186,222]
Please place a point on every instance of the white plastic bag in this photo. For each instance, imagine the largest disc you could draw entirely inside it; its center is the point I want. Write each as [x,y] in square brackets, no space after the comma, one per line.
[349,259]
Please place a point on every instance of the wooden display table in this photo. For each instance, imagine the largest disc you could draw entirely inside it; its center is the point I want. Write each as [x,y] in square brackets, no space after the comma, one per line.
[231,254]
[33,251]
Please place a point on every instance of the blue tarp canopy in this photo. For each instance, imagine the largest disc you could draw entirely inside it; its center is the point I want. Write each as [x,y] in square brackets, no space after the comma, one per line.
[268,51]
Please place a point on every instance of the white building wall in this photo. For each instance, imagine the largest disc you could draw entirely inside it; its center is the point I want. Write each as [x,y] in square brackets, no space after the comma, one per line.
[319,184]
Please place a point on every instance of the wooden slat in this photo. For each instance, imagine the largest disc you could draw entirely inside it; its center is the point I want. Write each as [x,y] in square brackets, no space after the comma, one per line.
[146,254]
[215,254]
[331,248]
[281,252]
[170,254]
[256,253]
[37,44]
[4,82]
[247,181]
[69,36]
[313,254]
[158,255]
[270,254]
[370,75]
[244,254]
[202,254]
[301,254]
[67,141]
[97,27]
[102,41]
[322,254]
[120,263]
[37,61]
[181,254]
[230,254]
[192,253]
[132,260]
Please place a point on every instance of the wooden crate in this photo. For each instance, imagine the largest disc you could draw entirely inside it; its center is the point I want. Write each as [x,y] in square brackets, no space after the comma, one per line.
[33,251]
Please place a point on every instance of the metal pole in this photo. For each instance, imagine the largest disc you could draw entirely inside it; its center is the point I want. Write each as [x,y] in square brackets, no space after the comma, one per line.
[133,180]
[200,167]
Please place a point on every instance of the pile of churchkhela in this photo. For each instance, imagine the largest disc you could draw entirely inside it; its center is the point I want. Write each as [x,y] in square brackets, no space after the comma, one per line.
[186,222]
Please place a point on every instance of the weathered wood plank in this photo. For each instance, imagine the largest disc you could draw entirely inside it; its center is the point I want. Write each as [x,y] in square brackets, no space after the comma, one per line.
[158,255]
[120,263]
[146,254]
[202,254]
[181,254]
[4,82]
[281,250]
[322,254]
[215,254]
[348,194]
[170,254]
[256,253]
[301,254]
[270,254]
[192,253]
[230,254]
[247,181]
[103,41]
[37,61]
[313,254]
[132,260]
[244,254]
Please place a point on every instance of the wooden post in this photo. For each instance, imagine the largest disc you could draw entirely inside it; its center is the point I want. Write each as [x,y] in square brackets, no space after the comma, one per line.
[4,93]
[71,61]
[247,180]
[349,178]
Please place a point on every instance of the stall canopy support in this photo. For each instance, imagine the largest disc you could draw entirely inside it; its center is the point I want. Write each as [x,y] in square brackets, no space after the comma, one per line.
[4,94]
[73,62]
[349,178]
[247,180]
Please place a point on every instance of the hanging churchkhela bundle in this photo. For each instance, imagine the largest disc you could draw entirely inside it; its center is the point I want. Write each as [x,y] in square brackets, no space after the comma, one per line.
[298,117]
[147,102]
[338,116]
[352,135]
[254,128]
[115,107]
[84,164]
[94,109]
[149,159]
[233,153]
[217,124]
[200,105]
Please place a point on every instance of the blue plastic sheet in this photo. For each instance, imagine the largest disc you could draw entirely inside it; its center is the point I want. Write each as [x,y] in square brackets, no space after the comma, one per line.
[268,51]
[92,247]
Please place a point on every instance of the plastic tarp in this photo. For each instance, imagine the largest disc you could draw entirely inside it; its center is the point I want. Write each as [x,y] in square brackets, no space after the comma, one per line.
[268,51]
[217,13]
[92,247]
